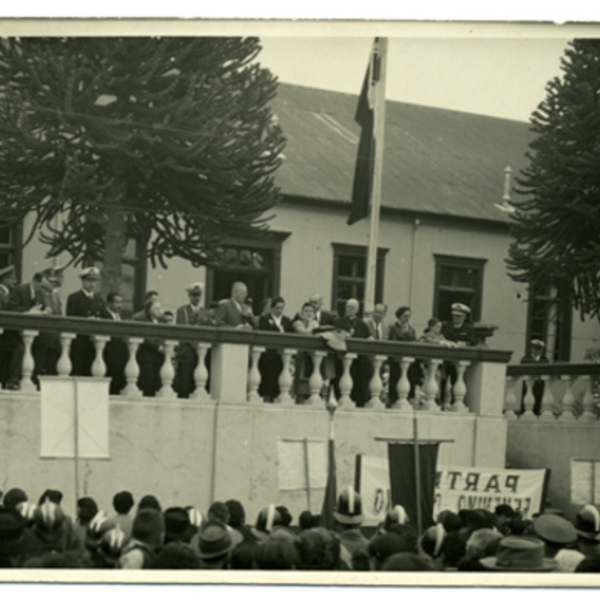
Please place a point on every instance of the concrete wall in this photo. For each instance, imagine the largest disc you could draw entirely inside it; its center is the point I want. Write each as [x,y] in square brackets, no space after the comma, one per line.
[537,445]
[307,266]
[166,448]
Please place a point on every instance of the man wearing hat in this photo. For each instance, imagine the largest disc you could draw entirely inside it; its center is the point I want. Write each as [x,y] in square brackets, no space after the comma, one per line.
[458,330]
[16,541]
[519,553]
[194,315]
[536,354]
[215,545]
[85,303]
[587,526]
[11,345]
[349,517]
[558,534]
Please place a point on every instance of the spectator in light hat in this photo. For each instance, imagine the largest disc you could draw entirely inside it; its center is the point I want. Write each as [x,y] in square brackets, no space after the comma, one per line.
[51,529]
[111,545]
[459,330]
[519,553]
[349,517]
[587,525]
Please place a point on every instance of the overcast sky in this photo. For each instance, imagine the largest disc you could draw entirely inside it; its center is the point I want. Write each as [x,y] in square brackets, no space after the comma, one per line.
[498,77]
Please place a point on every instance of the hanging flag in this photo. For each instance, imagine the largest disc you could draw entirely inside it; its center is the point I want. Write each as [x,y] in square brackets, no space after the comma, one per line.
[403,479]
[365,160]
[329,501]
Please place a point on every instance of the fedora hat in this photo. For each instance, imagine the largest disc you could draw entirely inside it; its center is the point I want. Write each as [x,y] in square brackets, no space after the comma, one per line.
[519,553]
[587,523]
[12,530]
[555,529]
[215,540]
[90,273]
[349,508]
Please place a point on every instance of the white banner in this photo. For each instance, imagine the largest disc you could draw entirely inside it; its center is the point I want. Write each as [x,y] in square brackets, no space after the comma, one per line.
[456,488]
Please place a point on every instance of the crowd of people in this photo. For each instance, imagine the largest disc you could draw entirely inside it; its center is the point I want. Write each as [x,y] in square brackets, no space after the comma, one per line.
[42,296]
[42,535]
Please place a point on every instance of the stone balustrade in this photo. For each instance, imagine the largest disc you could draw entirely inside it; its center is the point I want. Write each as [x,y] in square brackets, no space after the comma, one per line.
[476,385]
[549,392]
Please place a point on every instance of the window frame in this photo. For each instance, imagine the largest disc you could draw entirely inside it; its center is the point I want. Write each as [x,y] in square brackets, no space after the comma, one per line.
[15,248]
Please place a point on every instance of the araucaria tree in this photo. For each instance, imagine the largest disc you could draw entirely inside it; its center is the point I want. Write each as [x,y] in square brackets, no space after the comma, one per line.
[557,227]
[166,140]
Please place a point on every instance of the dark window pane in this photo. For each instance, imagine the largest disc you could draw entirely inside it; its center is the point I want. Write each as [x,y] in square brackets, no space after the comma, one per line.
[344,290]
[360,266]
[359,291]
[4,259]
[345,266]
[5,235]
[464,278]
[446,276]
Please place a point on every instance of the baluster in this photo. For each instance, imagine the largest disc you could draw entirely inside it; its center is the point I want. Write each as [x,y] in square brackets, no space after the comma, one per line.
[588,400]
[132,370]
[64,365]
[510,400]
[431,387]
[568,400]
[376,385]
[285,379]
[99,366]
[28,364]
[201,373]
[167,372]
[528,400]
[254,375]
[315,382]
[547,413]
[460,387]
[346,382]
[403,387]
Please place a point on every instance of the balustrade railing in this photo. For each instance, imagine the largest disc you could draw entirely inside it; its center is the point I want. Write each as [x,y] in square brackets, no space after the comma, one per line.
[431,378]
[561,391]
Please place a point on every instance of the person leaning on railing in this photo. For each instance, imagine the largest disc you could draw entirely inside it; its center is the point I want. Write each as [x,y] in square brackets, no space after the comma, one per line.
[402,331]
[304,324]
[234,312]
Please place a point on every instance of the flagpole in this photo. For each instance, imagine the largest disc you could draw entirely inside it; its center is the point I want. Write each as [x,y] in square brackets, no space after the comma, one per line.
[378,131]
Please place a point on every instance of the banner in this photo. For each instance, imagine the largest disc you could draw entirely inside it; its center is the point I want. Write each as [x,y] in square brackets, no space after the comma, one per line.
[456,488]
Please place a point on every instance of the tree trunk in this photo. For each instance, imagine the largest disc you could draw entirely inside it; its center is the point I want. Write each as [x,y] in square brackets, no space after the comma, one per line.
[114,244]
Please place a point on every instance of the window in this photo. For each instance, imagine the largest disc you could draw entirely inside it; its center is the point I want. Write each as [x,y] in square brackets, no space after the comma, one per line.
[10,246]
[549,319]
[350,275]
[458,280]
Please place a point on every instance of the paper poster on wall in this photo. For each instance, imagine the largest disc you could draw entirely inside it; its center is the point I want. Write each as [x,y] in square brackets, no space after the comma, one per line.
[300,460]
[66,401]
[585,481]
[456,488]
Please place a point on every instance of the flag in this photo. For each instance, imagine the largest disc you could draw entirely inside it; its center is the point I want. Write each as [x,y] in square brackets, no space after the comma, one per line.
[403,479]
[365,160]
[327,519]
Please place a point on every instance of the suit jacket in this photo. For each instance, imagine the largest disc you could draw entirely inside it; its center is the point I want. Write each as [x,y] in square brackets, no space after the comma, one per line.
[187,316]
[327,318]
[463,334]
[396,333]
[228,315]
[79,304]
[267,323]
[370,323]
[357,327]
[21,298]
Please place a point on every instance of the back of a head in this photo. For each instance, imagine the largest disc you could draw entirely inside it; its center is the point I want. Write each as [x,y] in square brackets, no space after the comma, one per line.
[276,554]
[305,520]
[237,514]
[318,549]
[454,548]
[451,522]
[48,517]
[479,542]
[243,556]
[406,562]
[177,555]
[148,526]
[286,516]
[432,540]
[480,519]
[87,509]
[13,497]
[218,511]
[590,564]
[408,532]
[123,502]
[383,546]
[54,496]
[505,511]
[149,501]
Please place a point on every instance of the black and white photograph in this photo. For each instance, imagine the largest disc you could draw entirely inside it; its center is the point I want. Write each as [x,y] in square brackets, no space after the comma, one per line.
[300,304]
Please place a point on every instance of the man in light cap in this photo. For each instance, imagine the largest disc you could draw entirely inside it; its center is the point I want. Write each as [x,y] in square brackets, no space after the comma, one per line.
[587,526]
[458,330]
[191,314]
[85,303]
[558,534]
[348,516]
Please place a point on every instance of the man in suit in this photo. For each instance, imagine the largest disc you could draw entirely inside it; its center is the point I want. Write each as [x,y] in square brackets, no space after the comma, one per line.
[459,330]
[116,353]
[85,303]
[140,315]
[536,355]
[193,315]
[362,368]
[324,318]
[234,312]
[11,345]
[375,323]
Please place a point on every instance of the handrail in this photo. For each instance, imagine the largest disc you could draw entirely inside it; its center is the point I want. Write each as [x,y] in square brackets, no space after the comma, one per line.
[556,368]
[184,333]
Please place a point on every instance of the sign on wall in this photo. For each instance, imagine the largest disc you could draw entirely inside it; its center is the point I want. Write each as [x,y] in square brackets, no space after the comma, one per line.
[456,488]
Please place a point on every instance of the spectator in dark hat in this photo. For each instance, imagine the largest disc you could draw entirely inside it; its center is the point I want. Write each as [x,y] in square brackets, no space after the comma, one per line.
[215,545]
[237,519]
[276,554]
[243,556]
[16,542]
[218,511]
[286,516]
[406,562]
[453,550]
[409,533]
[177,525]
[450,521]
[148,535]
[306,520]
[177,555]
[149,501]
[518,553]
[349,517]
[319,550]
[587,526]
[13,497]
[591,564]
[86,511]
[123,503]
[267,519]
[383,546]
[430,544]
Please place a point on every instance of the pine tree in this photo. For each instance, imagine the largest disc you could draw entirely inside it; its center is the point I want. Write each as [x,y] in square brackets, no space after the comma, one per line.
[166,140]
[557,227]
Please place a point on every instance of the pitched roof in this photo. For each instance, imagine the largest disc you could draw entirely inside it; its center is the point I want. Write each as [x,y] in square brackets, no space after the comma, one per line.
[435,161]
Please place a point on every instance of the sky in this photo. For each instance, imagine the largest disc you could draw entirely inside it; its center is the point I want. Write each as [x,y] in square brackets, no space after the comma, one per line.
[503,77]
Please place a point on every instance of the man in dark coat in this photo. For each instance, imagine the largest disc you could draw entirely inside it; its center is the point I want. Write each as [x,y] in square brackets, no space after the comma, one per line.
[85,303]
[536,354]
[116,353]
[458,330]
[234,312]
[325,318]
[11,345]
